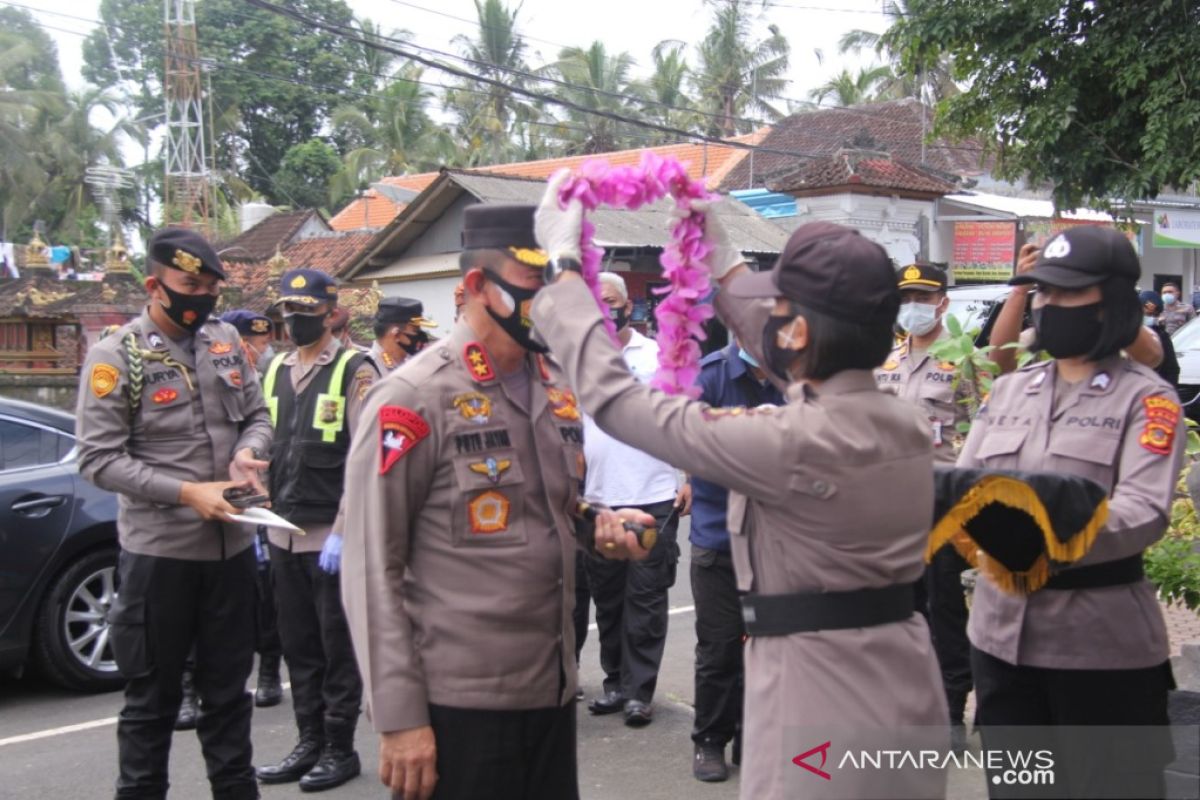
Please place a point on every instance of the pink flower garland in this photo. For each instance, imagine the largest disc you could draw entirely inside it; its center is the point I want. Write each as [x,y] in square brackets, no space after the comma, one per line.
[680,314]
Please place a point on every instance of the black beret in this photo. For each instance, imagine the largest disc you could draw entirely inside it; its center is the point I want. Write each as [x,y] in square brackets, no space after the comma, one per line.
[184,249]
[401,310]
[247,322]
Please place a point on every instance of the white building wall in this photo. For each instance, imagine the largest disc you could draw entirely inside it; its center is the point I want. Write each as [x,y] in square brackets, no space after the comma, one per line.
[893,222]
[436,294]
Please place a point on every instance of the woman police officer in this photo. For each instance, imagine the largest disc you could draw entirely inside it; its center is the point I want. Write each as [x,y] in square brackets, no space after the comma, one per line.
[1089,649]
[829,576]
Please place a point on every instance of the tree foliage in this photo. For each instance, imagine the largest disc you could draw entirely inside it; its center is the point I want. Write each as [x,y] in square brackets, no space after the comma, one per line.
[304,174]
[1100,100]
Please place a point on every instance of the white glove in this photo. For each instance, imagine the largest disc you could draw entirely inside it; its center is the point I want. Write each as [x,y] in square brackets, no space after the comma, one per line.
[557,230]
[722,256]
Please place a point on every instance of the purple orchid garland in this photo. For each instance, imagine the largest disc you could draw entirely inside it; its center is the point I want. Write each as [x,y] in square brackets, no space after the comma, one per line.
[681,314]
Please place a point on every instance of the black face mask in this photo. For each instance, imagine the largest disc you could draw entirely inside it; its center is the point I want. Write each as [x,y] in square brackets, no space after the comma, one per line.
[777,358]
[517,325]
[1067,331]
[188,311]
[305,328]
[619,317]
[416,341]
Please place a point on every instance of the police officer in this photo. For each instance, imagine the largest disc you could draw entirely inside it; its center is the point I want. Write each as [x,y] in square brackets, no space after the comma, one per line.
[1152,307]
[314,394]
[400,325]
[1091,647]
[460,552]
[829,496]
[255,330]
[171,417]
[1175,313]
[943,395]
[729,378]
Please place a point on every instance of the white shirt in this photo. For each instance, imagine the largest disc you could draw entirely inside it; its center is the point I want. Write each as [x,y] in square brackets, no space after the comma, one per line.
[617,474]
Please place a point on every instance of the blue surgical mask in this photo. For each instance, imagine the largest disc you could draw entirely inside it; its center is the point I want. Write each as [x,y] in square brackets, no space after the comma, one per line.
[1169,299]
[1149,321]
[749,359]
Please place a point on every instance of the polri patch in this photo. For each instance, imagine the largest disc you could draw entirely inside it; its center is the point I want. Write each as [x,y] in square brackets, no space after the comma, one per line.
[478,363]
[1162,417]
[104,379]
[563,403]
[400,429]
[488,513]
[220,348]
[475,407]
[164,396]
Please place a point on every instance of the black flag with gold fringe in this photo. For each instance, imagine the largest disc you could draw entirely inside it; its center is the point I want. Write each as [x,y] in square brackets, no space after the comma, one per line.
[1015,526]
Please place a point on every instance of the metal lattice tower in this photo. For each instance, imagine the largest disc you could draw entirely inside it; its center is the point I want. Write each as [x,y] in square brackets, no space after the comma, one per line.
[187,189]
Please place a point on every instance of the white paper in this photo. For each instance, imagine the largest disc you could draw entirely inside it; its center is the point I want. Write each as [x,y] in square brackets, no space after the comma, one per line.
[264,516]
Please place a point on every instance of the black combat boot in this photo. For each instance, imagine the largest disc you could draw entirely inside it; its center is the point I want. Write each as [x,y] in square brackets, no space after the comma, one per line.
[270,690]
[189,708]
[304,755]
[339,762]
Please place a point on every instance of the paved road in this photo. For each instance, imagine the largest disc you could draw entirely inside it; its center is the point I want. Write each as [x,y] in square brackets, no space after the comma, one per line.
[55,744]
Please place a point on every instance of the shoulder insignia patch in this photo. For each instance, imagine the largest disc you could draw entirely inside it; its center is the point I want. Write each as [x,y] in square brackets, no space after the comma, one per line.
[164,396]
[104,379]
[890,364]
[489,513]
[400,429]
[475,407]
[1162,417]
[478,363]
[493,468]
[563,403]
[155,340]
[220,348]
[235,377]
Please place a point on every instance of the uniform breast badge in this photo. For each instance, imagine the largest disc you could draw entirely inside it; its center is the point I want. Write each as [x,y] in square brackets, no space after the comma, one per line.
[475,407]
[104,379]
[400,429]
[563,403]
[163,396]
[488,513]
[492,467]
[220,348]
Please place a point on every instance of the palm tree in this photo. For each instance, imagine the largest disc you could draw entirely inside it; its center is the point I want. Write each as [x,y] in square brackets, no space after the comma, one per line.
[665,91]
[852,90]
[598,82]
[931,86]
[737,77]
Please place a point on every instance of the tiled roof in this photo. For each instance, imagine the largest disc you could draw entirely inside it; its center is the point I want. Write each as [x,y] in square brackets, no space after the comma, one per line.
[865,170]
[42,295]
[260,242]
[895,127]
[708,161]
[250,284]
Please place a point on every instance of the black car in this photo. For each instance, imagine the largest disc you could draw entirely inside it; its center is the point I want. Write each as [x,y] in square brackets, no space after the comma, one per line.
[58,553]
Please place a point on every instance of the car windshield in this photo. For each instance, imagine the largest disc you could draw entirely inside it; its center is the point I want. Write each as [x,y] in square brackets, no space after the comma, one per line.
[970,313]
[1187,337]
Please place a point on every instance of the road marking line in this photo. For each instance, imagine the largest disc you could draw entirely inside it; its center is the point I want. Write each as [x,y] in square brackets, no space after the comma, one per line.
[100,723]
[82,726]
[671,613]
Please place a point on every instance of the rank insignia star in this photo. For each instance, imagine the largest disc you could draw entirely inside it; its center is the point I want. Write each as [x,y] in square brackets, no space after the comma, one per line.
[493,468]
[478,363]
[163,396]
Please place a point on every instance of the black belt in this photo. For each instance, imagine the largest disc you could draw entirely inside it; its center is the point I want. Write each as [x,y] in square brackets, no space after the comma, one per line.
[1110,573]
[804,612]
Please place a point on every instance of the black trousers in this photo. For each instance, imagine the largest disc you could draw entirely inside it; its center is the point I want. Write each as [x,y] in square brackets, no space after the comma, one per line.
[631,610]
[720,671]
[315,638]
[164,607]
[266,642]
[947,615]
[583,599]
[505,755]
[1020,708]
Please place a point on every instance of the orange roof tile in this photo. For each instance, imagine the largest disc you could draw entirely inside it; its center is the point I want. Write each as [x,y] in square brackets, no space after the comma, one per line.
[712,162]
[251,280]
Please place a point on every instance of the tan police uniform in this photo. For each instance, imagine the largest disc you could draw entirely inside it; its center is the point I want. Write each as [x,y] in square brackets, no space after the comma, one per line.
[916,376]
[798,522]
[315,534]
[459,559]
[1123,429]
[200,402]
[381,359]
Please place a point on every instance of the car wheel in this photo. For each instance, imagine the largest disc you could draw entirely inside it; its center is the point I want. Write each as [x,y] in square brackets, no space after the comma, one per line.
[72,643]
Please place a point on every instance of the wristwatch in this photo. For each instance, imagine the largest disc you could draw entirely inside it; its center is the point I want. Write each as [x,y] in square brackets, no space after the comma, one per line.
[557,266]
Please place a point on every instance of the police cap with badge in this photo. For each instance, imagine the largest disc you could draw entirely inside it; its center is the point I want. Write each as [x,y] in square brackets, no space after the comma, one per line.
[921,277]
[185,250]
[508,228]
[247,322]
[307,287]
[401,311]
[1083,256]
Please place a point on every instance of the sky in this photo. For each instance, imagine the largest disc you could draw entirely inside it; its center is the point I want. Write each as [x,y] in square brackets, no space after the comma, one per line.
[635,26]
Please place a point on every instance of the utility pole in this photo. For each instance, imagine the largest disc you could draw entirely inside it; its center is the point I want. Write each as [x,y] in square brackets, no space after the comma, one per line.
[187,189]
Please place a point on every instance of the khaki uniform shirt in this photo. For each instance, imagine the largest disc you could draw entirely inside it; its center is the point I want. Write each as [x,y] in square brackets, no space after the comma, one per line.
[930,384]
[1124,430]
[315,534]
[201,403]
[382,361]
[1174,317]
[458,567]
[831,492]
